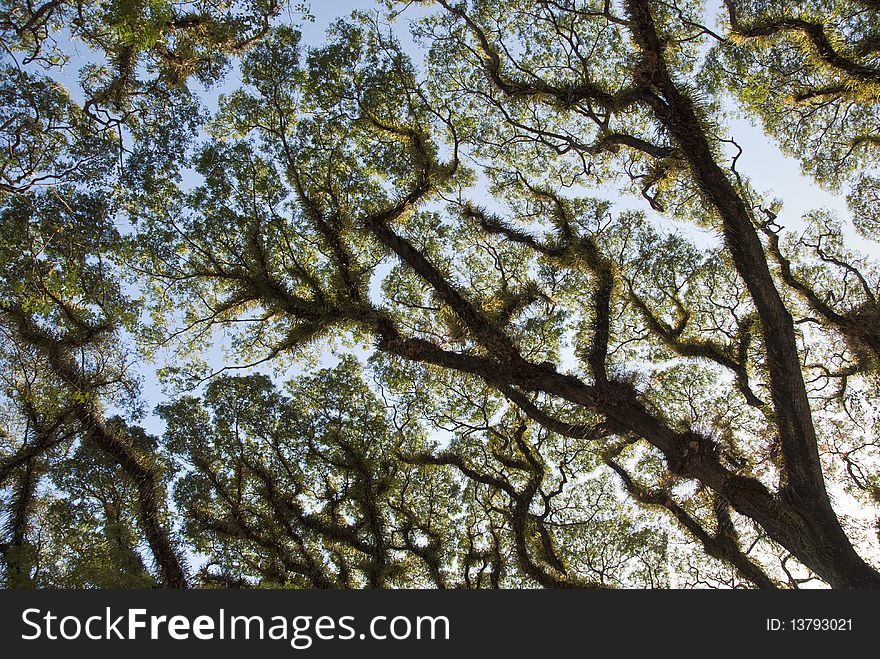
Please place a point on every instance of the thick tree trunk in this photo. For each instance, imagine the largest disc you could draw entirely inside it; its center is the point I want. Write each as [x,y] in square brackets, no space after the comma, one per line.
[805,522]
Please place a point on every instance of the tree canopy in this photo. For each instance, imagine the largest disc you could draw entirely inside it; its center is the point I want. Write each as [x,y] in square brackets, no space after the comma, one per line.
[467,294]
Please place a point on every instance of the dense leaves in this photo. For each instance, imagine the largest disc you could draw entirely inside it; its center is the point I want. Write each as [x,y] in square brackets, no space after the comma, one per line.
[501,310]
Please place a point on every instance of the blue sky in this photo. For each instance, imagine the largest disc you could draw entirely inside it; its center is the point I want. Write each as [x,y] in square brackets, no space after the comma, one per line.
[761,160]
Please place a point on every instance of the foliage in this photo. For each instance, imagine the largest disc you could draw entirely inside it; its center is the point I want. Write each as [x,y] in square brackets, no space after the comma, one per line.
[502,312]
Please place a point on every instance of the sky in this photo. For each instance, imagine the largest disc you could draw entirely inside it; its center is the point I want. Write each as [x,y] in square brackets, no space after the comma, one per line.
[761,161]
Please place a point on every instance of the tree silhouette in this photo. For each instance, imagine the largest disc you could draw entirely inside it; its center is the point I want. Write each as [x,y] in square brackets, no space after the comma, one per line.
[531,382]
